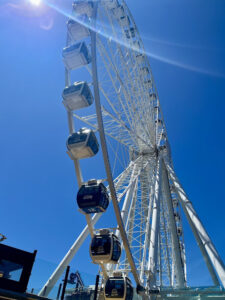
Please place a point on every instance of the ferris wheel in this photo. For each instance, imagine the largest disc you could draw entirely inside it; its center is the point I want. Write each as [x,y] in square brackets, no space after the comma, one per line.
[117,103]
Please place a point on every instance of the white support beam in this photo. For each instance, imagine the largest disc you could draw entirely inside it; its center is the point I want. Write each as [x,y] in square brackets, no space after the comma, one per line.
[167,245]
[147,234]
[128,197]
[206,246]
[177,260]
[127,203]
[160,260]
[153,249]
[130,223]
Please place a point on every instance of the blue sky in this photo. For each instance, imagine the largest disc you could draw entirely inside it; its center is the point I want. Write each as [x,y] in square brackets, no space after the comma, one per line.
[186,46]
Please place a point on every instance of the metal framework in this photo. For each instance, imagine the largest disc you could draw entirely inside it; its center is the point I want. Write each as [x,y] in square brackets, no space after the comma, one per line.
[145,193]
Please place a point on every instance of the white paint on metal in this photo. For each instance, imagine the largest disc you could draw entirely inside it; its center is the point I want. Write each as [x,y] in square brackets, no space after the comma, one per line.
[206,246]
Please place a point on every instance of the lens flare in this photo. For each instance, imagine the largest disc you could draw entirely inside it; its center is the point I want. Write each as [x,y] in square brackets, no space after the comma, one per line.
[35,2]
[156,56]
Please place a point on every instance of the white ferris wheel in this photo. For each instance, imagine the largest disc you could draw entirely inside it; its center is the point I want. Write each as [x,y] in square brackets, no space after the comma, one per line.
[117,103]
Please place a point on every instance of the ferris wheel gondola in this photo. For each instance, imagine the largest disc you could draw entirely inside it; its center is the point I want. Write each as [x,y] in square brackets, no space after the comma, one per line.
[111,4]
[105,247]
[118,287]
[77,96]
[83,7]
[82,144]
[76,30]
[93,197]
[76,56]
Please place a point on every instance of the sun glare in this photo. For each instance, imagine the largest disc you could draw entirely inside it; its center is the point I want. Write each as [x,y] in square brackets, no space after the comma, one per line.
[35,2]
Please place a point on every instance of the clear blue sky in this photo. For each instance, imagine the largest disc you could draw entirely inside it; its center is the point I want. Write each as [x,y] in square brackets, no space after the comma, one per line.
[186,44]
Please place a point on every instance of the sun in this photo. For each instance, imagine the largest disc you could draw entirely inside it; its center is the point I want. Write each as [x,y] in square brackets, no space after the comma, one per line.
[35,2]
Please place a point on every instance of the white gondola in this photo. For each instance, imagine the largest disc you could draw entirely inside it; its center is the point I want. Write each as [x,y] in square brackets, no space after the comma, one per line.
[125,21]
[158,122]
[82,144]
[127,33]
[77,96]
[105,247]
[152,96]
[136,46]
[148,84]
[76,56]
[119,12]
[132,32]
[83,8]
[76,30]
[144,71]
[140,58]
[118,287]
[156,109]
[111,4]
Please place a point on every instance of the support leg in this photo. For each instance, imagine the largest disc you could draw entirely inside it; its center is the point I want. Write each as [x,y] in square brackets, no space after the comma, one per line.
[210,254]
